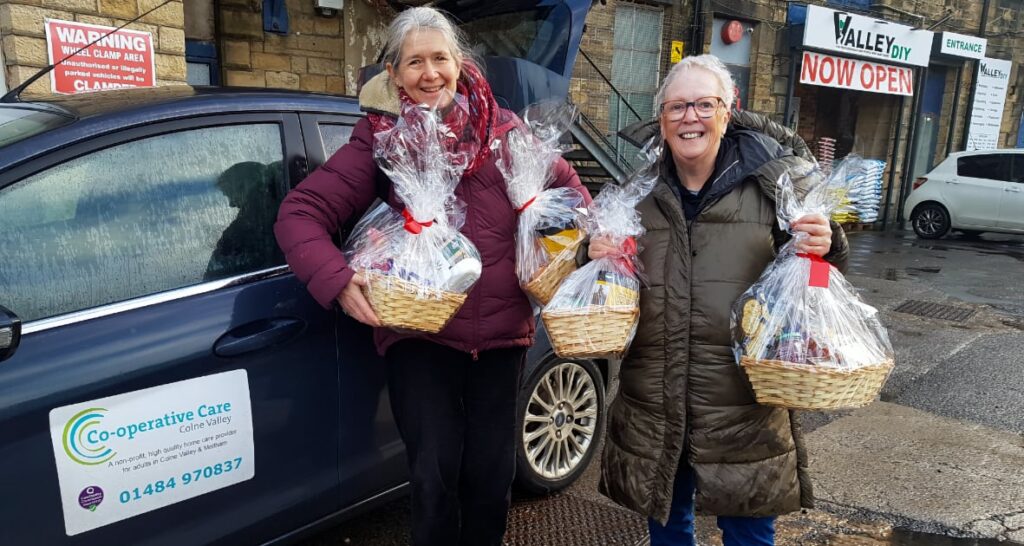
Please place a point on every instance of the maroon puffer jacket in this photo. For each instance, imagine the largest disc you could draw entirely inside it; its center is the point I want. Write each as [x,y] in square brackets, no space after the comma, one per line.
[496,313]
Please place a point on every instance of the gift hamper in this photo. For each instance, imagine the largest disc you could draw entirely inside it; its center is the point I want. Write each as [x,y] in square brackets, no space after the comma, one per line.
[550,227]
[801,333]
[594,312]
[418,266]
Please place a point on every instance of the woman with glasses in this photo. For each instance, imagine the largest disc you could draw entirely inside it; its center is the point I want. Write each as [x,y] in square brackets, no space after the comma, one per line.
[685,433]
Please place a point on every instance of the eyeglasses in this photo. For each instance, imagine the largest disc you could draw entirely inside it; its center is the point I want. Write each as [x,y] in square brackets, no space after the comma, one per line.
[704,107]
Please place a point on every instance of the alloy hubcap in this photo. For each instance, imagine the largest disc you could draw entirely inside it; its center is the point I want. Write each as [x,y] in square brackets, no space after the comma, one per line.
[560,421]
[929,221]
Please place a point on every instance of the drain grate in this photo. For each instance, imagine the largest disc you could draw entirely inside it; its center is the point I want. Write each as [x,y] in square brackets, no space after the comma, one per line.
[935,310]
[565,520]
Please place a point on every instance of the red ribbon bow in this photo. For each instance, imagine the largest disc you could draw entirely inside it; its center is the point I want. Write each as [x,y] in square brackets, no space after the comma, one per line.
[526,204]
[629,252]
[819,270]
[412,226]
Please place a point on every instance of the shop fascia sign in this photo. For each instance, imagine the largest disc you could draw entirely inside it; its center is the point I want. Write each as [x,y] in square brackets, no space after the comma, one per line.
[862,36]
[962,45]
[840,72]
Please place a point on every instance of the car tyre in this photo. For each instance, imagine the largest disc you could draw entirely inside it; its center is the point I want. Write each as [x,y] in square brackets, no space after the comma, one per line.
[561,419]
[930,221]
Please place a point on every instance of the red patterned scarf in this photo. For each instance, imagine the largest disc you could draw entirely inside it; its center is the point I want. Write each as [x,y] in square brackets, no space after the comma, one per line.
[485,120]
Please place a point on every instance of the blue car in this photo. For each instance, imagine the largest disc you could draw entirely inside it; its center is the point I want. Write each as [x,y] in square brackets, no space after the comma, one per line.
[164,378]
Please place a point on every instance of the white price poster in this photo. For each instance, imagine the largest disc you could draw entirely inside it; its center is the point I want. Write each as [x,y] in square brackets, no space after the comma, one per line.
[125,455]
[989,99]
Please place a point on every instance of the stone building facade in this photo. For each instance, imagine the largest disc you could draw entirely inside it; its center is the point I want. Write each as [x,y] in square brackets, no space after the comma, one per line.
[24,38]
[596,63]
[319,52]
[628,47]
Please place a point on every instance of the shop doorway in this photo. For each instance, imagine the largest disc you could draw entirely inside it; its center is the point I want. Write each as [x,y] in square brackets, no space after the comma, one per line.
[926,135]
[844,122]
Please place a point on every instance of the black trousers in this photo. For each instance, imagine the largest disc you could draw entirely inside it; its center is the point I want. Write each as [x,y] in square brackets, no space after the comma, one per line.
[457,418]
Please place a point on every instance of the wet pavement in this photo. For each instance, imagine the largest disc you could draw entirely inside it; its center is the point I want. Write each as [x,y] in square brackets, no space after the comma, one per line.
[938,462]
[949,265]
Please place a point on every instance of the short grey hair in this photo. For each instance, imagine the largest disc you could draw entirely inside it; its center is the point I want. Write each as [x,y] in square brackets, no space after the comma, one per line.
[423,18]
[706,62]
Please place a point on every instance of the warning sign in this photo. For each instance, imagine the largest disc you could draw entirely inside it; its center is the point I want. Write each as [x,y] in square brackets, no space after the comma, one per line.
[120,60]
[677,51]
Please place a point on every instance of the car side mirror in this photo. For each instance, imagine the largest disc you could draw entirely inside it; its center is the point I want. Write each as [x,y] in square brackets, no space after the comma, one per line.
[10,333]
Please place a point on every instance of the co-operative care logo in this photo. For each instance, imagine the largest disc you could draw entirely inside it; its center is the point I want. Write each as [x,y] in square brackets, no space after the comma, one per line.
[83,447]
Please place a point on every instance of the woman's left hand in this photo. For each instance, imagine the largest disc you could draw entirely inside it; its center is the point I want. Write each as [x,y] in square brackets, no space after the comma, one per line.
[819,234]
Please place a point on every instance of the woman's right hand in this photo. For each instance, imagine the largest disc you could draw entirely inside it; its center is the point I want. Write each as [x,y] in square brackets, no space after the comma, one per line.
[354,304]
[602,246]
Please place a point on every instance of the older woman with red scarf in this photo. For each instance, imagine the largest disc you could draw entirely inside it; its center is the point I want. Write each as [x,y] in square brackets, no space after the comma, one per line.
[453,394]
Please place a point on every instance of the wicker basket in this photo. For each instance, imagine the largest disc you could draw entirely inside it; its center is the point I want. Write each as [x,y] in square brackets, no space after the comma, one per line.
[591,332]
[398,304]
[544,285]
[806,386]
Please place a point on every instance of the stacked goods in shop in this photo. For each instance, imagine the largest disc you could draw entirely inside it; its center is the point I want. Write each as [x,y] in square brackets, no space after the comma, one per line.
[802,335]
[550,224]
[864,193]
[826,153]
[594,312]
[418,266]
[866,190]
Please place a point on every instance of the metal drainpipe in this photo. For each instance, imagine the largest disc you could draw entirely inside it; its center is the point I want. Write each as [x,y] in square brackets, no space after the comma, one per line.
[794,54]
[911,154]
[892,162]
[974,77]
[697,36]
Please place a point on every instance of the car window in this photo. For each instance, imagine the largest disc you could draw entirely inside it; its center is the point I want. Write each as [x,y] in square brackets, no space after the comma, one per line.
[991,166]
[139,218]
[1017,174]
[17,123]
[334,136]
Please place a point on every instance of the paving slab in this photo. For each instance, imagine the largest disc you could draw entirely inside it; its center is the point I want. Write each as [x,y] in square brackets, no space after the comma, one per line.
[916,467]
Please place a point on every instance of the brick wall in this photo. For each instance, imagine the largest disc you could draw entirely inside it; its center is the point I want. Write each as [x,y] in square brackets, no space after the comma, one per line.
[24,38]
[318,54]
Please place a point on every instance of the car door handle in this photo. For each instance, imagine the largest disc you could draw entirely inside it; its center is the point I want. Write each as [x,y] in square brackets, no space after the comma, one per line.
[1014,190]
[258,335]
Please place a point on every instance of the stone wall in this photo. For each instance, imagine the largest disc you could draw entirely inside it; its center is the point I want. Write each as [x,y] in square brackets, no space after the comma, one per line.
[200,23]
[24,37]
[317,54]
[588,89]
[769,58]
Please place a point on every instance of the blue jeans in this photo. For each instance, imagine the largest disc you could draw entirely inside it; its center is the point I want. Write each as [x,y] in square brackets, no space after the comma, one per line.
[736,531]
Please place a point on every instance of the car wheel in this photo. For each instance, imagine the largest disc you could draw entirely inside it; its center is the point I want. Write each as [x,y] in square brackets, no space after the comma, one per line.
[561,418]
[930,221]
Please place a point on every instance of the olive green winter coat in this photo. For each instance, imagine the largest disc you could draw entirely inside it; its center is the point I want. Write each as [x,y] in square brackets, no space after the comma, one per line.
[681,393]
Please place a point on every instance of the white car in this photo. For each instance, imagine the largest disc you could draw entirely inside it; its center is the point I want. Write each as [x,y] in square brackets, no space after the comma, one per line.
[972,192]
